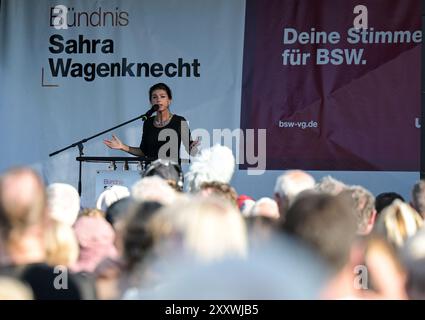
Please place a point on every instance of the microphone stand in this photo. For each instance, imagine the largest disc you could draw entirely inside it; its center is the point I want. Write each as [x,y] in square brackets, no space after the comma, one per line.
[80,145]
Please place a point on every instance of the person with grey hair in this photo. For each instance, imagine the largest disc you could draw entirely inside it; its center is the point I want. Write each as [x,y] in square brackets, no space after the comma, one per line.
[397,223]
[363,203]
[418,197]
[330,185]
[288,186]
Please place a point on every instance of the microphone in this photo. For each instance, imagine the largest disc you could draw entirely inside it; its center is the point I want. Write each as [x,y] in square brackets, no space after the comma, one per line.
[154,108]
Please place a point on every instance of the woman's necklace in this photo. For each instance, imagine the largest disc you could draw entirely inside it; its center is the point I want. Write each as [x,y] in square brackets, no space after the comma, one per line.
[160,124]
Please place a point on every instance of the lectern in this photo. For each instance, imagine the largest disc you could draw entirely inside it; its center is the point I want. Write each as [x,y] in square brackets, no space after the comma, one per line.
[142,162]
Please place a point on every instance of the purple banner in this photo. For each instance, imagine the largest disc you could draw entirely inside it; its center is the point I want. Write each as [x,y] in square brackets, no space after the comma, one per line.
[332,94]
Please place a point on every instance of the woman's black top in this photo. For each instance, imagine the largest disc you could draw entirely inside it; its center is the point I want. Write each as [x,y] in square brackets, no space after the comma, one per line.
[177,130]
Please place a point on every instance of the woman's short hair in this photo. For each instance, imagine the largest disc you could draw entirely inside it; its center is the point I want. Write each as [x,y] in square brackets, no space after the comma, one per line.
[160,86]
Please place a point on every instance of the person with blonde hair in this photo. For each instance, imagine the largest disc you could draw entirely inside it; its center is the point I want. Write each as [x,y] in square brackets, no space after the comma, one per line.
[398,222]
[61,244]
[202,232]
[199,224]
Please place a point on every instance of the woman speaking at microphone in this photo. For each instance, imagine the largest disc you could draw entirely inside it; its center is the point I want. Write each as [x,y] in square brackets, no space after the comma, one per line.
[163,133]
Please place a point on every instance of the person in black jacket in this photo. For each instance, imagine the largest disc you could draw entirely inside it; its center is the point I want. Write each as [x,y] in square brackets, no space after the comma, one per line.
[162,133]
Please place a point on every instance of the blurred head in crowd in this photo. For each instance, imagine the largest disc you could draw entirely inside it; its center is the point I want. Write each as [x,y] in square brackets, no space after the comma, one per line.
[220,189]
[330,185]
[111,195]
[137,240]
[61,244]
[288,186]
[118,211]
[207,229]
[363,203]
[22,216]
[14,289]
[384,199]
[153,189]
[265,207]
[168,170]
[63,202]
[326,223]
[96,242]
[92,212]
[413,257]
[418,197]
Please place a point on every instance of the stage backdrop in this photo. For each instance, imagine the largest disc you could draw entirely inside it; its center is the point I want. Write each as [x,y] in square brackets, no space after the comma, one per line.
[350,103]
[331,95]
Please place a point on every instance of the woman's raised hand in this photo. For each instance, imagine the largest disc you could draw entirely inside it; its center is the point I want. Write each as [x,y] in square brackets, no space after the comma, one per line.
[114,143]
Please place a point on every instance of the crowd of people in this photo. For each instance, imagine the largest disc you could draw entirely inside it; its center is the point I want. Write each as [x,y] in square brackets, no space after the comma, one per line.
[171,236]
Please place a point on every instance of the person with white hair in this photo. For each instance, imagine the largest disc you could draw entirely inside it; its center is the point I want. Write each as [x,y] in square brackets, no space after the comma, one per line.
[153,189]
[213,164]
[63,202]
[288,186]
[265,207]
[110,196]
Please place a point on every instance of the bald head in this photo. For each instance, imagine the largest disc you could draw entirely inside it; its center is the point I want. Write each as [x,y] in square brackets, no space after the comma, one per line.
[292,182]
[22,200]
